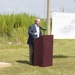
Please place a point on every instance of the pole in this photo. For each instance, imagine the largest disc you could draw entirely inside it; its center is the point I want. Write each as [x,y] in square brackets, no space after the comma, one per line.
[48,17]
[44,10]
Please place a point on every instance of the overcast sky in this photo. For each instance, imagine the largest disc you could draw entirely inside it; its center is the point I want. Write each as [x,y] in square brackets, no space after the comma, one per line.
[35,7]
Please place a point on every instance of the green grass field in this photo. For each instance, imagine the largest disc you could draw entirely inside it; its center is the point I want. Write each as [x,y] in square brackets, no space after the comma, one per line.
[18,56]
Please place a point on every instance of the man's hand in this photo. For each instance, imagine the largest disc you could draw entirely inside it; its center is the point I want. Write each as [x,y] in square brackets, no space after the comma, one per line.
[35,33]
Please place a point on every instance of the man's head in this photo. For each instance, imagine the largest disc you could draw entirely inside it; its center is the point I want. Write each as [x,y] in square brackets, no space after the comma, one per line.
[37,21]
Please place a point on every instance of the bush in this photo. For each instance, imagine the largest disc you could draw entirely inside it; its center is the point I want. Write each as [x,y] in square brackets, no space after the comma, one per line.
[15,26]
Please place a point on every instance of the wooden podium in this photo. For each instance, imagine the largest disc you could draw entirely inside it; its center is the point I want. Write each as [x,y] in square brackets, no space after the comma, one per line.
[43,51]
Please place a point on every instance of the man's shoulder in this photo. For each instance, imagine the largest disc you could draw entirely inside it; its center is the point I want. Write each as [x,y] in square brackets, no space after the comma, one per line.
[32,25]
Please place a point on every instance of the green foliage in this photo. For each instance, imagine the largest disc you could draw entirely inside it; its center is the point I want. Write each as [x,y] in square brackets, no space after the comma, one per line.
[15,26]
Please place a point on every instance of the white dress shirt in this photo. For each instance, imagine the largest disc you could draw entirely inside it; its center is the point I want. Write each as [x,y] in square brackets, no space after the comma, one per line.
[37,30]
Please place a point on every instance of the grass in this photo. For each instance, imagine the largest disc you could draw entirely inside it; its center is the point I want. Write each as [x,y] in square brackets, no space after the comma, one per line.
[18,55]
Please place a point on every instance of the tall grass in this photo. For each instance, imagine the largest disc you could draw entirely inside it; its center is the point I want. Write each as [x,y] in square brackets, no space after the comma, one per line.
[15,26]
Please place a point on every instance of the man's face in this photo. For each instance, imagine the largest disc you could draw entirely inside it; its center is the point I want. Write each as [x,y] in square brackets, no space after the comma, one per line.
[38,22]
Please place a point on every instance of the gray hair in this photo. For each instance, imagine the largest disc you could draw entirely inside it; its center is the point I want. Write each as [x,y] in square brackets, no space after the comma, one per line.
[37,19]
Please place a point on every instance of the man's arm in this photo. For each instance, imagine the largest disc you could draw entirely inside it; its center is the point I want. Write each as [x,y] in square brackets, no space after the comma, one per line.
[30,32]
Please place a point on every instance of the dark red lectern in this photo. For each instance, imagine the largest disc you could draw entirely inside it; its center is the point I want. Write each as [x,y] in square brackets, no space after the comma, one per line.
[43,51]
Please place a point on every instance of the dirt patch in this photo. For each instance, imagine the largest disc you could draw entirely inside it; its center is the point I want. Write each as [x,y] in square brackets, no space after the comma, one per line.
[4,64]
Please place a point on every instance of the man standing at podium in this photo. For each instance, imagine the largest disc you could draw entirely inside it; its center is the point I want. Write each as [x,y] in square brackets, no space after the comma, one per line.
[34,32]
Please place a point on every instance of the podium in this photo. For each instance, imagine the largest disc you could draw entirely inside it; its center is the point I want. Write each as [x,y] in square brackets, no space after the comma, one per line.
[43,51]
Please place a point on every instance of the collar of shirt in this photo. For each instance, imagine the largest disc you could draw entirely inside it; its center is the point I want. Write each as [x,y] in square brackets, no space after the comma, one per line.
[36,25]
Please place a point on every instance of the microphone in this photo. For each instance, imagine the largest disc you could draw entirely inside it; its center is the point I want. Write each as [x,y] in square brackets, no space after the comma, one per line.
[43,30]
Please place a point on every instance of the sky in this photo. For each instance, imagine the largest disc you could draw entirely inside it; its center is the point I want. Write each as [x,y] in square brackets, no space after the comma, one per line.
[35,7]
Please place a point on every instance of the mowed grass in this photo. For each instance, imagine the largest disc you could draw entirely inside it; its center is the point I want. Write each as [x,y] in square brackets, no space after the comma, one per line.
[18,56]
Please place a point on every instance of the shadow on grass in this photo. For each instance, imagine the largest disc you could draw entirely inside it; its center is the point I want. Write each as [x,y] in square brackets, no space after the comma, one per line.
[60,56]
[23,61]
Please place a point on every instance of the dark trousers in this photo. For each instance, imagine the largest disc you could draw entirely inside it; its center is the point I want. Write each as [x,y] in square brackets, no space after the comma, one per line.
[31,54]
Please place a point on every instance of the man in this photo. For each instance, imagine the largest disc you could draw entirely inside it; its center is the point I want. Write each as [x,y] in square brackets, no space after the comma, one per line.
[34,32]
